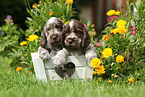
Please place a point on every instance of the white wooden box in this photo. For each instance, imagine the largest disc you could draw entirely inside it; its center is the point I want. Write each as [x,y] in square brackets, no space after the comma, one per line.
[45,70]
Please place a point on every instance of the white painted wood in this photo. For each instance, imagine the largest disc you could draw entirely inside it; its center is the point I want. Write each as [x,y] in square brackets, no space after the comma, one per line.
[45,69]
[38,67]
[51,75]
[79,73]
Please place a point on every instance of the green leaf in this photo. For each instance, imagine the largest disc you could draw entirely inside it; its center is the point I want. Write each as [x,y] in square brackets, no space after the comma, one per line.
[132,23]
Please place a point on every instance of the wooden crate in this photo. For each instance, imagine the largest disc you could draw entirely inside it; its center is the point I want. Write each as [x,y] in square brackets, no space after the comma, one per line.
[45,70]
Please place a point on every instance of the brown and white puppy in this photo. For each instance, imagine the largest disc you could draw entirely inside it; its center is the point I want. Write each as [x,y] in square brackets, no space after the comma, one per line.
[51,38]
[75,41]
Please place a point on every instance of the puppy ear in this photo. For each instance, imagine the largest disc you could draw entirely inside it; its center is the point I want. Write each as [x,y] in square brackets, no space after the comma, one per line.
[63,38]
[86,39]
[43,40]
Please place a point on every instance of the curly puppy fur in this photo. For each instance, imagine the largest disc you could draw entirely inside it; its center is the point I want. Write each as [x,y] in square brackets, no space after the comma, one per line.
[75,41]
[51,38]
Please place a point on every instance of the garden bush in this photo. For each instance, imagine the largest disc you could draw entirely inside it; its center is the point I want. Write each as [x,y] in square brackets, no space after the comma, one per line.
[121,51]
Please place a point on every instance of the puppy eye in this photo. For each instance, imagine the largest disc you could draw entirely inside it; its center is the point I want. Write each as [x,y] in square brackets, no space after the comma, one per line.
[79,33]
[47,29]
[58,27]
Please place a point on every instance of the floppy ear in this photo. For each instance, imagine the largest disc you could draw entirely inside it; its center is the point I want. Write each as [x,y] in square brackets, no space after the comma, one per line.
[86,39]
[43,40]
[63,38]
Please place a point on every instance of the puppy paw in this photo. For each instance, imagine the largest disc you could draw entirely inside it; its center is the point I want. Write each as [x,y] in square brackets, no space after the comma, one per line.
[43,53]
[57,61]
[89,56]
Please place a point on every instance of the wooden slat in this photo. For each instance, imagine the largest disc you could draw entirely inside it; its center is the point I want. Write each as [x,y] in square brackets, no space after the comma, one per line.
[38,67]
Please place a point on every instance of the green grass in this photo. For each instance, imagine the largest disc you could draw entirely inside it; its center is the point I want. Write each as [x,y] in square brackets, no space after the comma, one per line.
[20,84]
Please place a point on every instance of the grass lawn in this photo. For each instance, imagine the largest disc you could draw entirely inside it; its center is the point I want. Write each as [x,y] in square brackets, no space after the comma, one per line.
[21,84]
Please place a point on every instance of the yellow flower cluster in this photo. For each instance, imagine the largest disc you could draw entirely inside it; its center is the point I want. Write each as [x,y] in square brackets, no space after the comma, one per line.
[32,37]
[131,80]
[23,43]
[107,52]
[119,58]
[18,68]
[121,23]
[69,1]
[100,70]
[113,12]
[106,37]
[120,27]
[95,63]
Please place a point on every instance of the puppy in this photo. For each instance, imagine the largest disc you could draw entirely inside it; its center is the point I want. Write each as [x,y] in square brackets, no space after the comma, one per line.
[75,41]
[51,38]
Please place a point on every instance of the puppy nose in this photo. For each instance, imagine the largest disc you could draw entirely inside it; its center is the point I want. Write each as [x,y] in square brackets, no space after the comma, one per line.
[54,37]
[70,40]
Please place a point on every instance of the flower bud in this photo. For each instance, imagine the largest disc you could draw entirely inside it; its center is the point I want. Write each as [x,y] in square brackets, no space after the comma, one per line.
[116,76]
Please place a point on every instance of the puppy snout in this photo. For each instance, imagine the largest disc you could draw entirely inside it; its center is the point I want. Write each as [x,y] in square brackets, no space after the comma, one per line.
[71,40]
[54,37]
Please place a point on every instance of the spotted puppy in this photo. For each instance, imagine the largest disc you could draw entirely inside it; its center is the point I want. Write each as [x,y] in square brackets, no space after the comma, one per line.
[75,41]
[51,38]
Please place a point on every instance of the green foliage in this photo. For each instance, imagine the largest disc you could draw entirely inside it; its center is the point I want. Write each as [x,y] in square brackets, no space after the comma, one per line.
[40,13]
[15,8]
[9,37]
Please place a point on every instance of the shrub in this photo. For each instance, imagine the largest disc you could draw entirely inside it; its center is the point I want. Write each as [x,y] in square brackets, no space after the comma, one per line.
[122,48]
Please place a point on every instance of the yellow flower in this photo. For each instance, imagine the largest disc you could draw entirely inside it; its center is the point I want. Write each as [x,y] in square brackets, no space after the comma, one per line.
[19,68]
[66,22]
[94,73]
[41,7]
[100,70]
[106,37]
[95,62]
[26,71]
[117,13]
[122,29]
[51,13]
[119,58]
[131,80]
[69,1]
[107,52]
[110,12]
[34,5]
[114,31]
[23,43]
[121,23]
[32,37]
[110,81]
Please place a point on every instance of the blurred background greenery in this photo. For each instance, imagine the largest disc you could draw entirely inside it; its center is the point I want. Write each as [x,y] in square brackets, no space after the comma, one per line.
[15,8]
